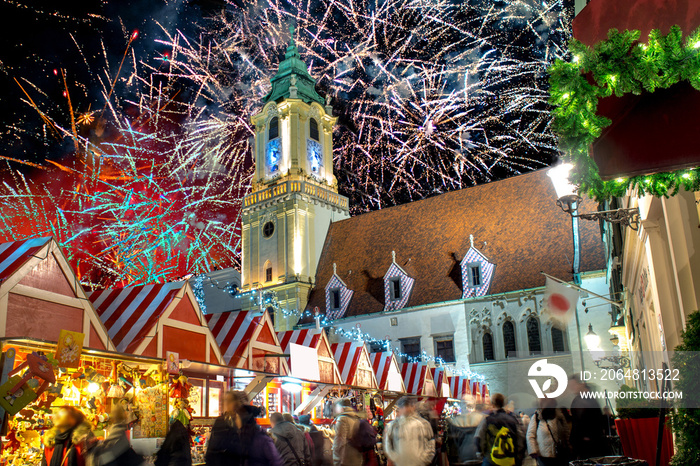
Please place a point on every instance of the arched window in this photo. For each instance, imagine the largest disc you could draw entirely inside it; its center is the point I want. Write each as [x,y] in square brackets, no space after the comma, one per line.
[488,347]
[558,340]
[509,338]
[313,129]
[274,130]
[533,336]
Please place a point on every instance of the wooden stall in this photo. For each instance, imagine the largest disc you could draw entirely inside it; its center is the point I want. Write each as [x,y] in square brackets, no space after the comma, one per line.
[354,364]
[318,340]
[386,368]
[418,379]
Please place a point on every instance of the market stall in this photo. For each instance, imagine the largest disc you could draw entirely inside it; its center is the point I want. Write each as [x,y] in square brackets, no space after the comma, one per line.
[386,369]
[40,295]
[418,379]
[442,386]
[459,387]
[248,341]
[355,365]
[328,372]
[157,320]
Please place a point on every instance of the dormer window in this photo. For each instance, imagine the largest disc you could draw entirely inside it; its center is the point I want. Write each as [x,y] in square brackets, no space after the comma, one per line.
[474,274]
[477,273]
[313,129]
[335,299]
[338,297]
[395,284]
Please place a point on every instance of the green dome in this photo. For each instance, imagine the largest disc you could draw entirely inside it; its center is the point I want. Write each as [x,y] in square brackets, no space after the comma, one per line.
[293,69]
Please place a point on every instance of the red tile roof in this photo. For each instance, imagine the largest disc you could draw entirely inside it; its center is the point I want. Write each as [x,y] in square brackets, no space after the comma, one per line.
[515,222]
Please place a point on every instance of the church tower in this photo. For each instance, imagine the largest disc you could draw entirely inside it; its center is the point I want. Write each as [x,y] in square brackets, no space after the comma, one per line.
[295,194]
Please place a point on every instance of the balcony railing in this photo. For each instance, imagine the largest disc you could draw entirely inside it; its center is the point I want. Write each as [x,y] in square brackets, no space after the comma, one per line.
[295,186]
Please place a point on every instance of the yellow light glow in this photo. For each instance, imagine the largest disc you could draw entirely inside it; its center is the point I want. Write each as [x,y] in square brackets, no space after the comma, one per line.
[93,388]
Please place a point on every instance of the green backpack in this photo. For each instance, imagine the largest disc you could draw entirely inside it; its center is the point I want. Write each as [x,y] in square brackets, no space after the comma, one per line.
[503,450]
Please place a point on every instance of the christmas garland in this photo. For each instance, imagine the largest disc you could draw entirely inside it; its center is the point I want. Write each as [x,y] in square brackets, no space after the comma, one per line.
[618,65]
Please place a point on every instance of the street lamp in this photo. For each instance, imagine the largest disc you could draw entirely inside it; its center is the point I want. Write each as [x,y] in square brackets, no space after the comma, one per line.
[568,200]
[592,339]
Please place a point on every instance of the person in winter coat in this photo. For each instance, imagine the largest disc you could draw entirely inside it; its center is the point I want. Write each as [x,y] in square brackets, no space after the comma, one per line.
[409,440]
[346,424]
[224,446]
[548,436]
[498,430]
[68,442]
[257,448]
[290,441]
[175,450]
[116,450]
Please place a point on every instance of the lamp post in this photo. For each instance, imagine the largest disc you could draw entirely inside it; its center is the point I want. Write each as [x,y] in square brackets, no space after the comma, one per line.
[568,200]
[616,361]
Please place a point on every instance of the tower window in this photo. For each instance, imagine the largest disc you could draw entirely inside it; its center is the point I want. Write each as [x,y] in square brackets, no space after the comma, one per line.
[268,229]
[335,299]
[395,288]
[313,129]
[268,274]
[274,130]
[488,347]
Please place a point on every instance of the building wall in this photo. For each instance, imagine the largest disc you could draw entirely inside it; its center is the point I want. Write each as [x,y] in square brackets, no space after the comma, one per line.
[661,275]
[467,320]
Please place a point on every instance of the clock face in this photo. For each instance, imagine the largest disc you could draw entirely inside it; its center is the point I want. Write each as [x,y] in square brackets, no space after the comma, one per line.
[273,155]
[313,153]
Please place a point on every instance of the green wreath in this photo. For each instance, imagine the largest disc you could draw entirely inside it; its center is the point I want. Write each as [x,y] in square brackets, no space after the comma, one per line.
[618,65]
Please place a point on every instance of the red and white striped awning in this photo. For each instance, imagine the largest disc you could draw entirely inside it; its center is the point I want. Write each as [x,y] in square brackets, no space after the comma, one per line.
[476,389]
[347,355]
[416,377]
[15,254]
[381,363]
[129,314]
[439,377]
[305,337]
[233,332]
[459,386]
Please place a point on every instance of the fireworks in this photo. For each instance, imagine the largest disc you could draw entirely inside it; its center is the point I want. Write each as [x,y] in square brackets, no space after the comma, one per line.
[432,96]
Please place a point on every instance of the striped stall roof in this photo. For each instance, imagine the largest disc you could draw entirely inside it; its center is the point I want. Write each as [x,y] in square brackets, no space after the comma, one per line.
[439,377]
[129,314]
[233,331]
[347,356]
[476,388]
[413,374]
[305,337]
[459,386]
[15,254]
[381,363]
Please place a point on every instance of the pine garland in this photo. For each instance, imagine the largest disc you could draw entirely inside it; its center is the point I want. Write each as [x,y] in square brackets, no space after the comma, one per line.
[618,65]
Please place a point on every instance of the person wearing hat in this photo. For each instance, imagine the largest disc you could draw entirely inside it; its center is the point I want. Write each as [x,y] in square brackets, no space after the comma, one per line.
[409,440]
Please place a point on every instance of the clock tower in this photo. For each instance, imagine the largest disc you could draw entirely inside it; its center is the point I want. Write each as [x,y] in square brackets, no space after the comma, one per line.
[295,196]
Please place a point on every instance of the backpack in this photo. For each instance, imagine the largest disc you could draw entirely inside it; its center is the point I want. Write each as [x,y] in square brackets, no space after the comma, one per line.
[503,450]
[364,438]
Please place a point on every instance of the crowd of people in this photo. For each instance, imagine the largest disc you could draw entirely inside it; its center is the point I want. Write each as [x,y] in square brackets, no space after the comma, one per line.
[492,436]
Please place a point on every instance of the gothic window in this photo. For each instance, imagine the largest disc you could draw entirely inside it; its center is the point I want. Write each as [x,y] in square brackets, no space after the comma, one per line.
[268,273]
[509,338]
[487,341]
[558,340]
[410,347]
[533,336]
[313,129]
[274,130]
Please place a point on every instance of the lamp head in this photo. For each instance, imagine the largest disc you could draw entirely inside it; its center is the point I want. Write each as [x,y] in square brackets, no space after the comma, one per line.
[592,339]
